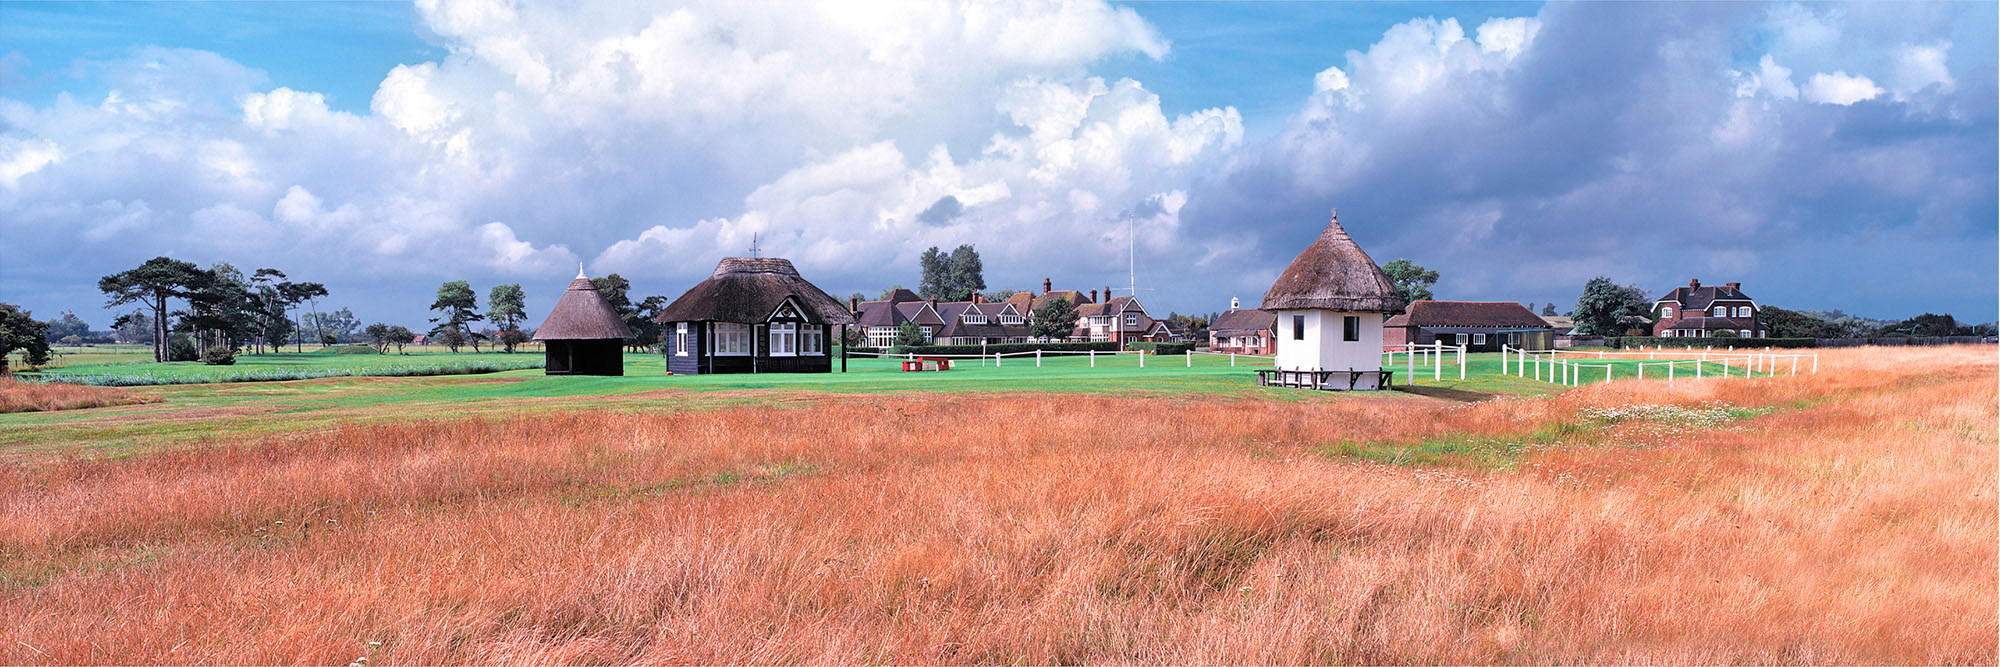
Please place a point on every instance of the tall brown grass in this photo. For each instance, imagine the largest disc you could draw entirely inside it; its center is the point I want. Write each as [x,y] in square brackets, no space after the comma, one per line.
[17,396]
[1855,523]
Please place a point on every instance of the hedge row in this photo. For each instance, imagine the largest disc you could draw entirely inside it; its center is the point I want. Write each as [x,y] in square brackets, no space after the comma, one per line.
[1000,348]
[1163,348]
[1723,342]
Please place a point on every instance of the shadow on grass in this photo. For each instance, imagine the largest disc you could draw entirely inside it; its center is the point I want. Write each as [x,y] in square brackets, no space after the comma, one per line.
[1446,393]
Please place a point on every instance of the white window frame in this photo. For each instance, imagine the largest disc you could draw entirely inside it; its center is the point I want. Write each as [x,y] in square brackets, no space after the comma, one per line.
[1743,311]
[731,339]
[1478,339]
[1667,312]
[681,339]
[971,317]
[812,340]
[784,339]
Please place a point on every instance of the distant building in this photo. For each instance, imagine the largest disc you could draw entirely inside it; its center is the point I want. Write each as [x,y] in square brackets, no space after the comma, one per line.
[1165,331]
[752,315]
[1330,303]
[1560,323]
[1243,331]
[1118,319]
[980,321]
[882,318]
[583,335]
[1481,326]
[1027,303]
[1700,311]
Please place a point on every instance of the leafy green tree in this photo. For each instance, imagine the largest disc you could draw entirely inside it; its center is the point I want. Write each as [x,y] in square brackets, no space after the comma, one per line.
[67,326]
[378,336]
[617,293]
[1549,309]
[1412,281]
[1780,323]
[1927,324]
[968,274]
[999,294]
[222,310]
[401,335]
[646,333]
[937,279]
[908,333]
[1054,319]
[1605,307]
[20,331]
[290,295]
[458,307]
[507,305]
[152,284]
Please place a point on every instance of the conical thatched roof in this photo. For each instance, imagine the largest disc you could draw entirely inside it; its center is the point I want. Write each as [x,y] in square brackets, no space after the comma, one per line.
[749,289]
[582,314]
[1333,274]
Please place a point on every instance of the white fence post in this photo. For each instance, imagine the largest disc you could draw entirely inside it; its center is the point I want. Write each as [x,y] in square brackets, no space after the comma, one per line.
[1232,360]
[1461,362]
[1670,371]
[1437,368]
[1795,365]
[1815,370]
[1521,363]
[1410,362]
[1190,358]
[1038,358]
[982,354]
[1093,358]
[1142,358]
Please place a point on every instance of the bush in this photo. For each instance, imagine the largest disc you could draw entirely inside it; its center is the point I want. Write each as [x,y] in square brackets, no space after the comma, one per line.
[218,356]
[1163,348]
[180,348]
[1656,341]
[1003,348]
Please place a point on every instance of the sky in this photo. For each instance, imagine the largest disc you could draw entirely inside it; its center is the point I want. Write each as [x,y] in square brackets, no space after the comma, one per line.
[1826,156]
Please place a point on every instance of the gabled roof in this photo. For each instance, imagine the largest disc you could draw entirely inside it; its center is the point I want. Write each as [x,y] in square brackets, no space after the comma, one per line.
[1468,314]
[919,312]
[1690,297]
[1333,274]
[1244,319]
[900,295]
[875,314]
[582,314]
[748,289]
[953,314]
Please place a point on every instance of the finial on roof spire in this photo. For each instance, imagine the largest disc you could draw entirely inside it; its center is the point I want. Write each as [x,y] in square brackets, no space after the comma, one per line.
[1336,214]
[579,269]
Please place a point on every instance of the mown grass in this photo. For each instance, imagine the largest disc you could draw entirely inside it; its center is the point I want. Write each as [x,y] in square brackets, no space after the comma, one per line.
[282,367]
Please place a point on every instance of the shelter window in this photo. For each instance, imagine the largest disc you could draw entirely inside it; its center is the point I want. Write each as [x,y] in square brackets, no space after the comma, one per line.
[1478,339]
[1350,328]
[681,339]
[732,339]
[784,339]
[812,341]
[1298,327]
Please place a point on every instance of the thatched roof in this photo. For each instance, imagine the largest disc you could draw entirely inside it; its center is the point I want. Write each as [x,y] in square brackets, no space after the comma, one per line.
[1333,274]
[582,314]
[749,289]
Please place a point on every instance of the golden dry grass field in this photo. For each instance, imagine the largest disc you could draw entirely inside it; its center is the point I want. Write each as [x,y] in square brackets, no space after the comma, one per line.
[1847,517]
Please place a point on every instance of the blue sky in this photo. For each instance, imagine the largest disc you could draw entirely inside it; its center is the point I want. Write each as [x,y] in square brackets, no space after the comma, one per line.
[1827,156]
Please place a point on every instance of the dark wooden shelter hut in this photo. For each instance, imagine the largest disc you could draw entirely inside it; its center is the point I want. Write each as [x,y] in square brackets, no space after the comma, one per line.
[753,315]
[583,335]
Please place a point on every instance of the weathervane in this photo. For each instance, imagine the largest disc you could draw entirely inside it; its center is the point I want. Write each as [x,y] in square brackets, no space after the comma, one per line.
[754,250]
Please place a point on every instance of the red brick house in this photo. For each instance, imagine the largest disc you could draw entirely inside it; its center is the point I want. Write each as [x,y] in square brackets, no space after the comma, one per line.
[1026,303]
[1244,331]
[1704,311]
[1118,319]
[1481,326]
[881,319]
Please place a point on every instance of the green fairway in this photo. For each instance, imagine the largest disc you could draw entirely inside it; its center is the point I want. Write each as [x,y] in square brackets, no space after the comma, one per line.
[134,367]
[196,412]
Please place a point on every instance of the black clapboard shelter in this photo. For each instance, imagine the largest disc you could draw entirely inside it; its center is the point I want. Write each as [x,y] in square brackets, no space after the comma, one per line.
[753,315]
[584,336]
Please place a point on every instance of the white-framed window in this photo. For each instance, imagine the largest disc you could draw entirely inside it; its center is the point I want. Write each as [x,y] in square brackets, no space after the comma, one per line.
[732,339]
[881,336]
[1010,319]
[1719,311]
[1667,312]
[1131,320]
[1478,339]
[971,317]
[1742,311]
[681,339]
[1667,334]
[784,339]
[812,340]
[1744,333]
[930,334]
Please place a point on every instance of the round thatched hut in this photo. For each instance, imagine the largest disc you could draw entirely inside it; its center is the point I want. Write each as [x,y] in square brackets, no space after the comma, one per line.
[1330,304]
[583,335]
[753,315]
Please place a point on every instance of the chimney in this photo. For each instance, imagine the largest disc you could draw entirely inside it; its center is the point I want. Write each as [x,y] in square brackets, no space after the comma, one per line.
[1046,286]
[853,303]
[976,298]
[1694,282]
[1093,296]
[1107,292]
[1735,287]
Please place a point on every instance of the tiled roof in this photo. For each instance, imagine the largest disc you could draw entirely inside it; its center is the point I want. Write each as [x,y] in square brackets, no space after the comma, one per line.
[1244,319]
[1698,298]
[1706,323]
[1469,314]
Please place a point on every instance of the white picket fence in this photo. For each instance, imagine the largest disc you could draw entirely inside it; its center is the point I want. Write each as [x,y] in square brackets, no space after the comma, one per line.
[1551,366]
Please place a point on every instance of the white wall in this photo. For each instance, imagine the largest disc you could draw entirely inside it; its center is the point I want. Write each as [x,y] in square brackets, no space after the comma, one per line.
[1322,349]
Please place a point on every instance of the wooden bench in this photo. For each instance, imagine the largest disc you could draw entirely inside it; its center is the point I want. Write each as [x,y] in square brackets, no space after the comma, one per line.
[1275,377]
[917,364]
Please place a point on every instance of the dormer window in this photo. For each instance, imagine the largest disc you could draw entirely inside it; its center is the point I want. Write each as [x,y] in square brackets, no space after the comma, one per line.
[974,318]
[1010,319]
